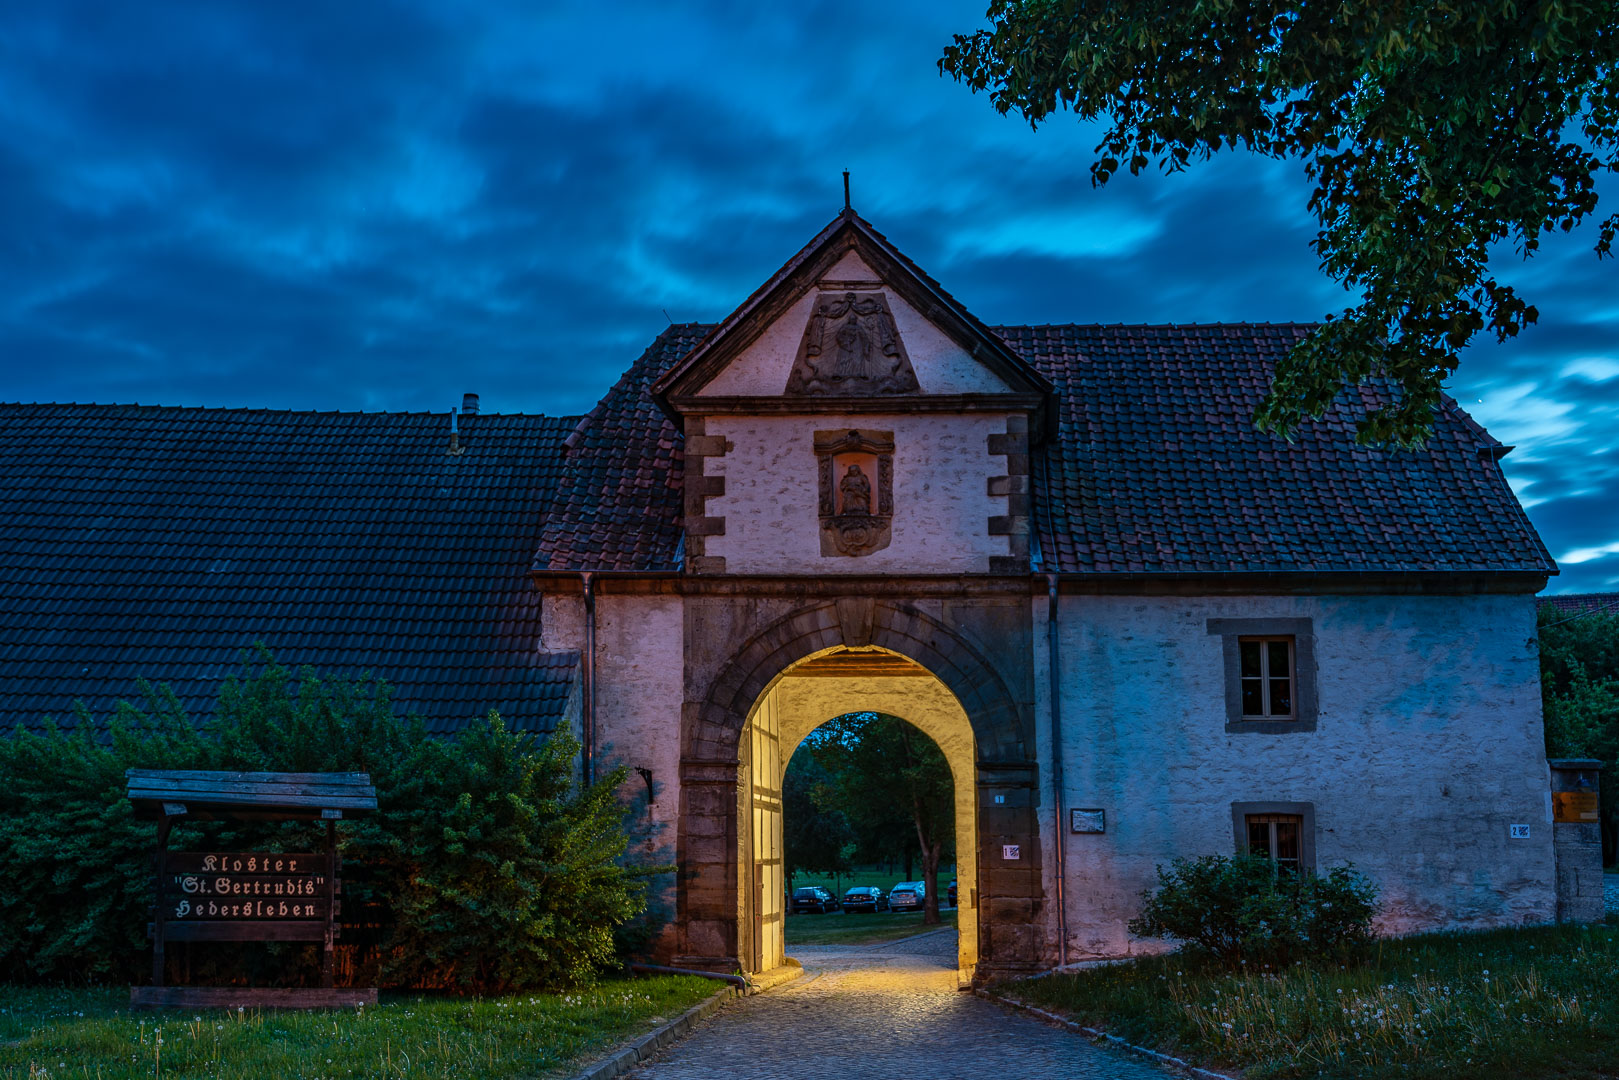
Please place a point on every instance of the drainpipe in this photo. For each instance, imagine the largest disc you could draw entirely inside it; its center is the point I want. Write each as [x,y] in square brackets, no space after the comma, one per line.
[739,981]
[1056,765]
[587,706]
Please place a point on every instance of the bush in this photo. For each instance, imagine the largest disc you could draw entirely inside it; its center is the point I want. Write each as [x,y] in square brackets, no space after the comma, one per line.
[486,865]
[1238,909]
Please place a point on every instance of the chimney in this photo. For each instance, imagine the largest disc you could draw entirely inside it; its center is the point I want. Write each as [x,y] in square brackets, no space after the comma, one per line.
[455,435]
[469,404]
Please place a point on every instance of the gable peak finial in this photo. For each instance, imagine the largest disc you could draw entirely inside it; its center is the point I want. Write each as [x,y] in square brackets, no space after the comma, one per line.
[846,207]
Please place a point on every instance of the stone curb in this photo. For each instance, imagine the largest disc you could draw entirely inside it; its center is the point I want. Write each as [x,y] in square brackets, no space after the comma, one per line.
[1096,1033]
[632,1054]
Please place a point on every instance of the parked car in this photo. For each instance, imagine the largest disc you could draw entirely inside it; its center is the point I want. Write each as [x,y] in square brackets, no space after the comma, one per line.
[952,894]
[907,896]
[865,898]
[813,898]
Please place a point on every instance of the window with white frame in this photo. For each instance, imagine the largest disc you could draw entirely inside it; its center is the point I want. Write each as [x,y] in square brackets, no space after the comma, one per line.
[1266,671]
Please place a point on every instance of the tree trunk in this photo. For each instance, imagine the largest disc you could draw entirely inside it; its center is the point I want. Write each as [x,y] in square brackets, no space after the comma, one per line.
[930,880]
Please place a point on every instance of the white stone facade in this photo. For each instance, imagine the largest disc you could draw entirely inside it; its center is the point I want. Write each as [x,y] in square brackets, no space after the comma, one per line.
[1428,746]
[1415,752]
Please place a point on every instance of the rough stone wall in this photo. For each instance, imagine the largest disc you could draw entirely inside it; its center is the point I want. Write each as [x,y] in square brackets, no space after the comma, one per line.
[1427,747]
[639,653]
[942,506]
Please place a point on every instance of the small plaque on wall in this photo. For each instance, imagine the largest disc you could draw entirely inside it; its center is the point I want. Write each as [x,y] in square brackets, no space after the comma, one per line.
[1574,806]
[1088,821]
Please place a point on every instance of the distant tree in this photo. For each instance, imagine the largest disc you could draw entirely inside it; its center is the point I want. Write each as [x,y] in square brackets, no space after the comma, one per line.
[1434,132]
[879,764]
[1579,685]
[814,838]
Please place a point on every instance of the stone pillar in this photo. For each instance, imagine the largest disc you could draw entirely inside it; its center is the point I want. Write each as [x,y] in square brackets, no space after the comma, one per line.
[1011,900]
[1577,839]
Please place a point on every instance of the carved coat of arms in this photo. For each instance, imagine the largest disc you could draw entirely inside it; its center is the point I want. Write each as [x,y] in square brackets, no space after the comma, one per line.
[851,346]
[856,470]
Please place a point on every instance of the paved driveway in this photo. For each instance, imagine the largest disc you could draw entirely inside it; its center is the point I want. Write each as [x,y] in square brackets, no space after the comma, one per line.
[883,1012]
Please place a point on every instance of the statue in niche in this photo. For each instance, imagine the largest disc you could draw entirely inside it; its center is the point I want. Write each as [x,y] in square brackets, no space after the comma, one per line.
[856,491]
[851,346]
[855,470]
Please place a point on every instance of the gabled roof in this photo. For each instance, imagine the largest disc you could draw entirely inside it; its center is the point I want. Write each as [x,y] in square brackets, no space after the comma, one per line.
[846,232]
[1155,467]
[1575,604]
[618,504]
[158,543]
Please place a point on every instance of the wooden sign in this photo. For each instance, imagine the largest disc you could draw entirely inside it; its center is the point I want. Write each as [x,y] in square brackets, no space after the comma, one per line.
[246,895]
[1577,807]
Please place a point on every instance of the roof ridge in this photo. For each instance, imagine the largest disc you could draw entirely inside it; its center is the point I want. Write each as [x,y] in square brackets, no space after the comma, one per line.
[267,410]
[1242,324]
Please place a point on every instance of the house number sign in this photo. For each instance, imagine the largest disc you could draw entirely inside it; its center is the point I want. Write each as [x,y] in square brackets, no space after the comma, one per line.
[1011,852]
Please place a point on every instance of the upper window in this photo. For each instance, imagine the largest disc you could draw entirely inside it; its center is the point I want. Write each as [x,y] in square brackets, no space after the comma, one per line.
[1267,677]
[1269,668]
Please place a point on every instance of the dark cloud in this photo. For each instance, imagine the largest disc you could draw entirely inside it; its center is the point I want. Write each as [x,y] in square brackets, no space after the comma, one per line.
[372,205]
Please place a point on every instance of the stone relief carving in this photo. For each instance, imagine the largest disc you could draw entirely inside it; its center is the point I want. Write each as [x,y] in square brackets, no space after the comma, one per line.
[851,346]
[856,471]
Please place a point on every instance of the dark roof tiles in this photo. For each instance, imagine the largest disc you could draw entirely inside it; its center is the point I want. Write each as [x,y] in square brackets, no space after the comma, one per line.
[1155,467]
[157,543]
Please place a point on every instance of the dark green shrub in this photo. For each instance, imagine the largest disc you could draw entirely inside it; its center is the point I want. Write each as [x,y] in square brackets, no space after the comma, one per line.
[486,865]
[1238,909]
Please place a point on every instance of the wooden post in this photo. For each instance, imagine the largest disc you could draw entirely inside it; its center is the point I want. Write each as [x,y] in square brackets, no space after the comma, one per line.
[331,903]
[163,827]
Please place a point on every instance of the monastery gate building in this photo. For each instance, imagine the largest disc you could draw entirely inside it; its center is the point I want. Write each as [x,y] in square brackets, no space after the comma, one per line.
[1136,627]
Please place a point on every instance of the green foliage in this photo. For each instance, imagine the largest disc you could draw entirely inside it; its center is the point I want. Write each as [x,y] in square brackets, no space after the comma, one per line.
[1239,910]
[815,837]
[1434,132]
[491,869]
[1579,685]
[891,780]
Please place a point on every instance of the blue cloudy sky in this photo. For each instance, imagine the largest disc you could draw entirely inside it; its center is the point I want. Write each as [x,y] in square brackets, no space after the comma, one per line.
[365,206]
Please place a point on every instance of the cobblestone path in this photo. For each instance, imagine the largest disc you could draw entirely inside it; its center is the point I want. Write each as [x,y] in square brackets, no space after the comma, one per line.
[884,1012]
[1610,892]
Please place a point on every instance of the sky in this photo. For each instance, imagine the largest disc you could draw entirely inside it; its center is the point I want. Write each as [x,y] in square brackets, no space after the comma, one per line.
[383,206]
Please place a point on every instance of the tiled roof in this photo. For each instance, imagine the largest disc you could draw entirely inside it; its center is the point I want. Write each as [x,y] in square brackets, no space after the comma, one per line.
[160,542]
[618,505]
[1154,467]
[1581,603]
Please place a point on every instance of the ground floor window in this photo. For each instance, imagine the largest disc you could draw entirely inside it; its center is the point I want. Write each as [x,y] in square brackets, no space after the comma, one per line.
[1277,835]
[1283,832]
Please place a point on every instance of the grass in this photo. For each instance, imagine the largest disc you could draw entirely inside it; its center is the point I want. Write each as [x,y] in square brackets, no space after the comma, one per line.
[842,928]
[65,1034]
[1532,1002]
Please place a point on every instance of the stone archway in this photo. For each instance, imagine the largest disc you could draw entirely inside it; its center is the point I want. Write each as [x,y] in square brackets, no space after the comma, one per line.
[1009,906]
[815,690]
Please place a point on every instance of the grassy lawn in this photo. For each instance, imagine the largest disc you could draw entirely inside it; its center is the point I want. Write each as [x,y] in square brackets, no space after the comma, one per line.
[841,928]
[69,1034]
[1534,1002]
